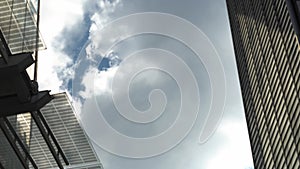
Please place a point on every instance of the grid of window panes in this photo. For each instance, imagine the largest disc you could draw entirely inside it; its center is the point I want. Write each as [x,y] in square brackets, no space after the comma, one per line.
[8,158]
[18,25]
[62,120]
[268,58]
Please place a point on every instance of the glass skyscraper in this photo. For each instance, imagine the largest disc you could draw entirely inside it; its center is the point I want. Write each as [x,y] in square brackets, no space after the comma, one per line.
[266,44]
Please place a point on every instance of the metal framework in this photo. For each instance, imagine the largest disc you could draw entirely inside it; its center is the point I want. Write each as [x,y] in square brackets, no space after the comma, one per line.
[49,138]
[29,117]
[1,166]
[19,38]
[16,143]
[4,50]
[19,26]
[61,118]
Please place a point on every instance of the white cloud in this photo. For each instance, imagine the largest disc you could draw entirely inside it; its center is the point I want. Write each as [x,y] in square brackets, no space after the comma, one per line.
[55,16]
[100,18]
[235,153]
[97,82]
[103,79]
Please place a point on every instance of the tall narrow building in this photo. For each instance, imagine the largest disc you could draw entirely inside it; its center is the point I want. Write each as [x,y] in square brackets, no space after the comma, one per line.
[265,35]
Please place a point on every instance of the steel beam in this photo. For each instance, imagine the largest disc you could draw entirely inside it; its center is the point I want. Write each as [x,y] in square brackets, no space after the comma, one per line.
[4,49]
[13,138]
[1,166]
[47,135]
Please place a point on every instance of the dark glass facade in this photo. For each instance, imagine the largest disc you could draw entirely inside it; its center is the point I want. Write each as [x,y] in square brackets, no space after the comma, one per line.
[266,45]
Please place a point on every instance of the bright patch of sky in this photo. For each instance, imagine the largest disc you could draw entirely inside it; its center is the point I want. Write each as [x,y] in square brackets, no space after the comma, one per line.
[71,31]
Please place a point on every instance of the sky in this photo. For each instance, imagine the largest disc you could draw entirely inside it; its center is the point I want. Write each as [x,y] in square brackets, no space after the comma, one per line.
[155,83]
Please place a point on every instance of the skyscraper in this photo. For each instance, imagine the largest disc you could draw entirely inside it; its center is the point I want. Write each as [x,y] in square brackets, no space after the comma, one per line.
[266,44]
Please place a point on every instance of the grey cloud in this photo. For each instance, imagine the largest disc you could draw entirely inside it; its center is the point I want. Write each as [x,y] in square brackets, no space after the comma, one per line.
[187,154]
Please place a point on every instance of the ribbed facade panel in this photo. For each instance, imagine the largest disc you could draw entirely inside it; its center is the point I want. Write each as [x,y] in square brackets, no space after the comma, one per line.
[69,134]
[268,59]
[8,158]
[63,123]
[18,25]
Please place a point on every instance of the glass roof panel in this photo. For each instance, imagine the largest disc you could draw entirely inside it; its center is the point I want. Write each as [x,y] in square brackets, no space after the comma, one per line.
[71,137]
[60,117]
[18,25]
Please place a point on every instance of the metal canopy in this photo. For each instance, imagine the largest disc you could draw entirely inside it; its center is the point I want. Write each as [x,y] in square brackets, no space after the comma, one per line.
[28,133]
[18,93]
[59,117]
[17,22]
[16,143]
[62,120]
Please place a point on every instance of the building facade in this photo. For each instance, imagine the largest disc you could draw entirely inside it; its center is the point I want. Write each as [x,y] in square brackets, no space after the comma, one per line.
[265,35]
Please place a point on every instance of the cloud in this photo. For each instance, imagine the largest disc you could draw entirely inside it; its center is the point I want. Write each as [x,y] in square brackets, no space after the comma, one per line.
[102,16]
[234,137]
[97,82]
[78,21]
[65,26]
[55,17]
[87,59]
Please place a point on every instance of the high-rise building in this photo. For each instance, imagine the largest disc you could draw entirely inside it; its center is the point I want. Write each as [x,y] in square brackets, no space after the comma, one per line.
[266,46]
